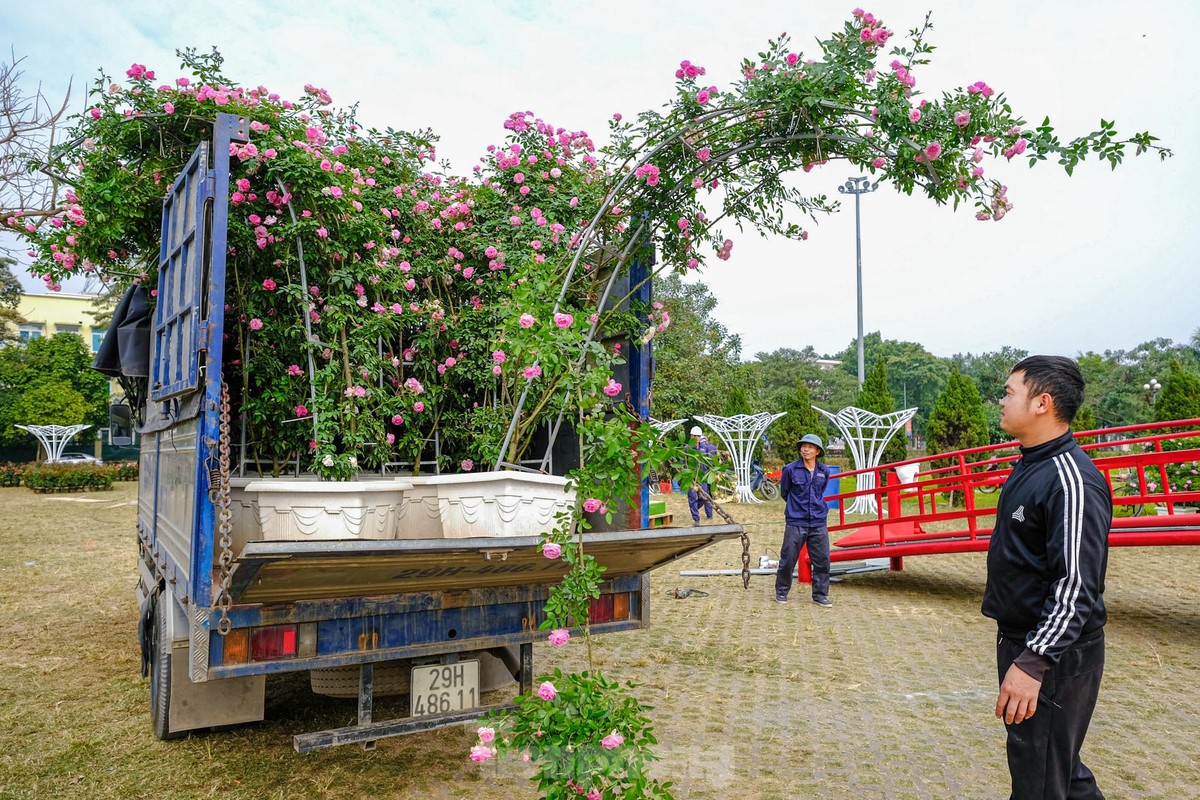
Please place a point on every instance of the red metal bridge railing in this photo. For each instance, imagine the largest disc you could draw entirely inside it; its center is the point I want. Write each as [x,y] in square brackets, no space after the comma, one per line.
[943,505]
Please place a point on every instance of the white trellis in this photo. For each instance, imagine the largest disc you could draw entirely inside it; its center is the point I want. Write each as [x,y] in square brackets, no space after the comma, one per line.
[664,426]
[54,438]
[867,434]
[741,434]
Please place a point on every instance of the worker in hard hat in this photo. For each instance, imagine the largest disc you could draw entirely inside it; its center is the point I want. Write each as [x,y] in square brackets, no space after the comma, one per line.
[695,501]
[802,484]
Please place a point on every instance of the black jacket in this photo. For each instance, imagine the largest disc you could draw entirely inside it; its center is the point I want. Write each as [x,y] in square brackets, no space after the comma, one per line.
[1049,550]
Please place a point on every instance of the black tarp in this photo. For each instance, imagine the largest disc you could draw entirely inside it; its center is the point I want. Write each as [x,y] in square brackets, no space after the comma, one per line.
[125,351]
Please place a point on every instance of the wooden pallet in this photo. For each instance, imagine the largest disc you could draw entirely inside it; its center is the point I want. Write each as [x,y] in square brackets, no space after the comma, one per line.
[660,520]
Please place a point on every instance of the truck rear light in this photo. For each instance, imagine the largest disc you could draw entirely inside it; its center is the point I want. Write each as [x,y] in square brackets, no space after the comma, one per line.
[276,641]
[600,609]
[237,646]
[620,610]
[306,640]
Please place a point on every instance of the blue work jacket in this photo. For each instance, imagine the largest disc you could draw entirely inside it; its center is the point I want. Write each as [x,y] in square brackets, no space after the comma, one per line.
[804,492]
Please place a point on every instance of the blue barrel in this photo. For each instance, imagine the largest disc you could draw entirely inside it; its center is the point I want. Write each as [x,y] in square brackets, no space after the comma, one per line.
[833,487]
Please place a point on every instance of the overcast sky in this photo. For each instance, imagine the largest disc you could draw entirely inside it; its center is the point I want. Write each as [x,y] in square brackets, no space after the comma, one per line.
[1103,260]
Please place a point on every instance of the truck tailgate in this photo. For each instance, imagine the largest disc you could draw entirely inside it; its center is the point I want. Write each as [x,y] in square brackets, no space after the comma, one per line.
[275,572]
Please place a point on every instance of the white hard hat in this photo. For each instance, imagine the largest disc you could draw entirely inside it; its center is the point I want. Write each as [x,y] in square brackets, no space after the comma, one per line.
[695,431]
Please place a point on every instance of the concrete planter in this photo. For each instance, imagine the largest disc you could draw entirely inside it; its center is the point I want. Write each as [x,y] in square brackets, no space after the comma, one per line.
[301,510]
[494,504]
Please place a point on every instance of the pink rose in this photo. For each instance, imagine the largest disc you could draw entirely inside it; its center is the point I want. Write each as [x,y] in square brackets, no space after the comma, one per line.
[418,406]
[914,115]
[878,162]
[559,637]
[527,320]
[612,389]
[487,735]
[256,324]
[480,753]
[962,118]
[269,285]
[551,550]
[612,741]
[563,320]
[933,150]
[532,372]
[702,97]
[547,691]
[591,505]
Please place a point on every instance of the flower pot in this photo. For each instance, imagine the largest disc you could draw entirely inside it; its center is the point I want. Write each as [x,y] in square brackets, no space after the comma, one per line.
[664,487]
[491,504]
[299,510]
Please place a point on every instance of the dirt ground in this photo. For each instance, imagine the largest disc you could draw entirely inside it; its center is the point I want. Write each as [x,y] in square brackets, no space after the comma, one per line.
[887,695]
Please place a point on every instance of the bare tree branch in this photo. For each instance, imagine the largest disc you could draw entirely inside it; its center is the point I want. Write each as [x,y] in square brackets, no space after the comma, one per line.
[28,128]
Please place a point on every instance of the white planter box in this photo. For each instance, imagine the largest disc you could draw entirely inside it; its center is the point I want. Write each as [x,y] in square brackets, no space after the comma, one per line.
[299,510]
[492,504]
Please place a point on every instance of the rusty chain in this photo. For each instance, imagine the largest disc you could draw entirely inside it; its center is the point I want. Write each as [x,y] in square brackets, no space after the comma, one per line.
[705,496]
[225,559]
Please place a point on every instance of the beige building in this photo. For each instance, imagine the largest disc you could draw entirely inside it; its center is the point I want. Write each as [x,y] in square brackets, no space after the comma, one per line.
[48,314]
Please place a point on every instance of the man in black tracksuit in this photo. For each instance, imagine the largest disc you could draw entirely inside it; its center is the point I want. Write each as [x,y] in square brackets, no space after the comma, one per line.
[1045,584]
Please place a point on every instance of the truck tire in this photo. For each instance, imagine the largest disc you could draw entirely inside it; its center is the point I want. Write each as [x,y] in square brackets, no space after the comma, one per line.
[160,672]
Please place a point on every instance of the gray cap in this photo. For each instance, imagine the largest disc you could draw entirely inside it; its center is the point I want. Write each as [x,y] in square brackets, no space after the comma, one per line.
[812,438]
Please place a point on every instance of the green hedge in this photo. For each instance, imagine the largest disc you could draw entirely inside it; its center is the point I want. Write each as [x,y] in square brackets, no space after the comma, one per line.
[68,477]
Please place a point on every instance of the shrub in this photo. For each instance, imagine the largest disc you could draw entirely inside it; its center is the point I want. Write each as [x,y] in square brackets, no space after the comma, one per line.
[123,470]
[10,474]
[67,477]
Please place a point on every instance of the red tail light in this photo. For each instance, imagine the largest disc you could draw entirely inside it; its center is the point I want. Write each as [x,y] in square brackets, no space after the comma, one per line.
[277,641]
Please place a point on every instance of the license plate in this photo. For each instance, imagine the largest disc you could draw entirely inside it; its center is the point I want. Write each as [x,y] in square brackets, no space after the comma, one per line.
[442,688]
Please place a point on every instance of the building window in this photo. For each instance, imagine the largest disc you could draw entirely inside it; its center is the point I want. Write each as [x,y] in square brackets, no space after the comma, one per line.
[97,338]
[30,331]
[66,329]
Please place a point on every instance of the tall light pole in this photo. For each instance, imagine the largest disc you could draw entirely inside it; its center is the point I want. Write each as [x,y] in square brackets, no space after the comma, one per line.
[857,187]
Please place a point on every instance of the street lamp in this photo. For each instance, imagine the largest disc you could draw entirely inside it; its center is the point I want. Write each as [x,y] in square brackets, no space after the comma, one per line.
[1151,390]
[857,187]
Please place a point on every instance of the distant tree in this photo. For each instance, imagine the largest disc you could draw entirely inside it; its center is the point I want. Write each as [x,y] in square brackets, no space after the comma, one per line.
[957,420]
[915,376]
[1180,395]
[696,360]
[876,397]
[41,368]
[801,418]
[10,299]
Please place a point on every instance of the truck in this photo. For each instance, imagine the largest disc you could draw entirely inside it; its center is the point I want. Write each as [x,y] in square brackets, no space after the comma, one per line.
[222,607]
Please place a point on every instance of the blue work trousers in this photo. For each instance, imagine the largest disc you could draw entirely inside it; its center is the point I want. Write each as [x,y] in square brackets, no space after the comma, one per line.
[694,502]
[795,537]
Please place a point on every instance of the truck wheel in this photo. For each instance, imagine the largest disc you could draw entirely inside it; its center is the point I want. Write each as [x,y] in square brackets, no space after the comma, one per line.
[160,672]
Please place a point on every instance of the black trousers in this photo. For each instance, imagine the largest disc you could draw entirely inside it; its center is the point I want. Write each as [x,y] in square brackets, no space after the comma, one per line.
[1043,751]
[795,537]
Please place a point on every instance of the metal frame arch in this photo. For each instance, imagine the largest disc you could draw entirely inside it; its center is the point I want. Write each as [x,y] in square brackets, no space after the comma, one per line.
[741,434]
[867,435]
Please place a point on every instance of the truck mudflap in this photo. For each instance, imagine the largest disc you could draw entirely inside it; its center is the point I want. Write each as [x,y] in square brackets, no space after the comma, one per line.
[282,572]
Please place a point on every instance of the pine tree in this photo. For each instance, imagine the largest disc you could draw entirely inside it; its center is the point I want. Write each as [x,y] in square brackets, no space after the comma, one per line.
[801,418]
[1180,395]
[875,396]
[957,420]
